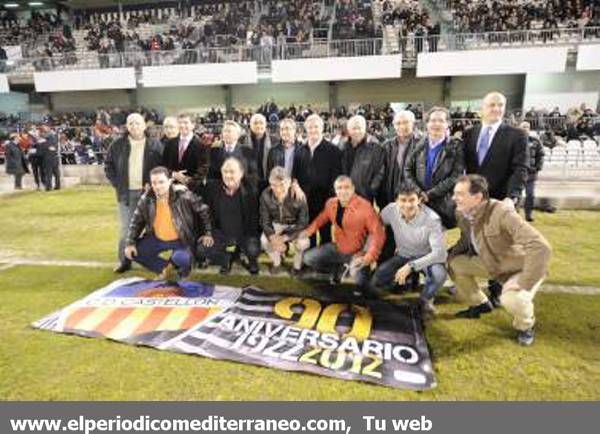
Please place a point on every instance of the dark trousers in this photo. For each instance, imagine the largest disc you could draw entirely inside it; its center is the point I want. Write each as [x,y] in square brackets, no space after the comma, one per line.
[383,278]
[327,259]
[51,172]
[149,249]
[126,210]
[315,206]
[38,173]
[225,247]
[529,197]
[19,181]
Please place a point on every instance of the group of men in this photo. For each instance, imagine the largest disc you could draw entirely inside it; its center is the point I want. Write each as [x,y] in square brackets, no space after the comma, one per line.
[222,204]
[42,154]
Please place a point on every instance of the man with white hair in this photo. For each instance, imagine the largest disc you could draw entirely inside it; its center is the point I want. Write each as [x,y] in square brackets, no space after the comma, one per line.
[170,128]
[261,142]
[319,166]
[285,154]
[233,204]
[282,218]
[231,148]
[128,163]
[397,150]
[498,152]
[363,159]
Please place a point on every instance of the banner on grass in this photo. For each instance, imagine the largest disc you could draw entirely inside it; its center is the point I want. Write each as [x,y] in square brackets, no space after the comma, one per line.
[374,342]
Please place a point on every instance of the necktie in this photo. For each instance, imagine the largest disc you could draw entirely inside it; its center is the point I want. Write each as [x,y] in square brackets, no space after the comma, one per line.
[484,145]
[181,149]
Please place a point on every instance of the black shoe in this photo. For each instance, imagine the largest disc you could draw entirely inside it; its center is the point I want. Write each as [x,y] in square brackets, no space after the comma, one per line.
[495,290]
[253,266]
[526,337]
[336,276]
[295,272]
[122,267]
[529,218]
[475,311]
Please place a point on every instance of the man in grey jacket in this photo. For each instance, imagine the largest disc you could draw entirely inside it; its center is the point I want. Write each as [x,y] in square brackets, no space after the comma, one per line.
[282,219]
[420,247]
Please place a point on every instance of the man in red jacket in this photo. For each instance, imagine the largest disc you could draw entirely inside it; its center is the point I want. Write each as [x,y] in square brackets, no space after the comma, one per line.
[358,233]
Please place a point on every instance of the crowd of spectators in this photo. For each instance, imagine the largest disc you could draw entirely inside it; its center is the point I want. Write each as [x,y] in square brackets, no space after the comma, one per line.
[477,16]
[354,20]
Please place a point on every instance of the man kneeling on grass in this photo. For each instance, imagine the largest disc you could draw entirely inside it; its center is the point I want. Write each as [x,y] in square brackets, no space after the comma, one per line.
[496,242]
[167,217]
[282,218]
[420,247]
[358,233]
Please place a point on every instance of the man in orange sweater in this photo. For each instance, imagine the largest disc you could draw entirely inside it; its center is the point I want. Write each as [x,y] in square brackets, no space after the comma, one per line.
[167,218]
[358,233]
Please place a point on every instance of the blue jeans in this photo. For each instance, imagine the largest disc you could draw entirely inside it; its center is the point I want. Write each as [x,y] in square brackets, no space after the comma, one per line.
[149,249]
[383,278]
[125,212]
[327,259]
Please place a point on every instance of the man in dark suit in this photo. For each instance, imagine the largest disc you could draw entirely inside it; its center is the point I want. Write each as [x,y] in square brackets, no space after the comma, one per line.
[498,152]
[185,156]
[397,151]
[260,141]
[231,148]
[319,165]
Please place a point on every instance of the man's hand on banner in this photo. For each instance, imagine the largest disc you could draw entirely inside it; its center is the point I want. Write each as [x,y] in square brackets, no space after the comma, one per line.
[131,252]
[297,192]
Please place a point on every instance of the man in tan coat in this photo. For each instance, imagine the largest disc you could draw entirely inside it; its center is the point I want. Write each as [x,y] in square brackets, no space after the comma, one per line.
[495,242]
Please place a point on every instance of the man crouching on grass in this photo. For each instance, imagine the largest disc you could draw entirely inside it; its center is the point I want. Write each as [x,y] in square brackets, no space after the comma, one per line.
[166,218]
[496,242]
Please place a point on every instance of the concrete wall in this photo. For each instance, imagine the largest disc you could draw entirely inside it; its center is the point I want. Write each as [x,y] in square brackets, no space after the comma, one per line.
[564,90]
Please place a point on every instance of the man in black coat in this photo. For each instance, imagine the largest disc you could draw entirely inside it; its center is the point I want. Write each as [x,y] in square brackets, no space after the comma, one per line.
[185,156]
[536,164]
[498,152]
[128,163]
[435,164]
[285,154]
[319,164]
[48,146]
[363,159]
[16,163]
[233,204]
[261,143]
[397,151]
[231,148]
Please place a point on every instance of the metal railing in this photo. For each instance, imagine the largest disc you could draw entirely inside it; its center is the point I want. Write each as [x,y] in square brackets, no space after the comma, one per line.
[409,46]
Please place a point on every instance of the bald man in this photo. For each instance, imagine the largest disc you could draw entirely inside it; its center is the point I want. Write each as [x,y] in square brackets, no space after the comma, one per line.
[129,160]
[498,152]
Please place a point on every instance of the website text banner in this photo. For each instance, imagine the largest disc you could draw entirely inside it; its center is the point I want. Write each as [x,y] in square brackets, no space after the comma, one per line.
[200,75]
[492,62]
[4,84]
[337,68]
[84,79]
[300,417]
[379,343]
[588,57]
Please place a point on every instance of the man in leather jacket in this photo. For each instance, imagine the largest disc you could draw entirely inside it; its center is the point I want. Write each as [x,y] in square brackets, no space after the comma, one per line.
[167,217]
[363,159]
